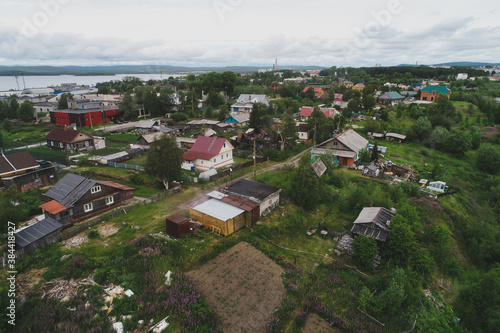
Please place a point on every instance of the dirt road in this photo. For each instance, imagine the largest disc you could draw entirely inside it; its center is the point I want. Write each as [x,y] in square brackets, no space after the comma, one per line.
[294,159]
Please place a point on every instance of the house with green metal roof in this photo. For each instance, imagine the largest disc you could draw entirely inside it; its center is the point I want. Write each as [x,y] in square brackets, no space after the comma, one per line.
[431,93]
[393,97]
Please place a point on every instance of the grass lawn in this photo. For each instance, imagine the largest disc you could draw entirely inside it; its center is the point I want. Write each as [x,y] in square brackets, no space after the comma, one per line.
[146,187]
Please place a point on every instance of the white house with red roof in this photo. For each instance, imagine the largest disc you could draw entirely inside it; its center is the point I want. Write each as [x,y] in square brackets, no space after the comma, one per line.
[208,152]
[306,111]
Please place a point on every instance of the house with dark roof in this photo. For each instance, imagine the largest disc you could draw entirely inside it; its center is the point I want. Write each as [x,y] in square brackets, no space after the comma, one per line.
[68,139]
[22,170]
[208,152]
[345,147]
[391,97]
[302,131]
[431,93]
[75,198]
[266,195]
[31,238]
[373,222]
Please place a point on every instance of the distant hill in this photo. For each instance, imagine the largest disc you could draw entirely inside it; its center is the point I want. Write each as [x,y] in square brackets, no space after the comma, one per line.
[131,69]
[456,64]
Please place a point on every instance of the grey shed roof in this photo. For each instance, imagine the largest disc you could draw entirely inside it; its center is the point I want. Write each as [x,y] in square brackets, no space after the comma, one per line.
[353,140]
[69,189]
[252,190]
[373,222]
[31,234]
[218,209]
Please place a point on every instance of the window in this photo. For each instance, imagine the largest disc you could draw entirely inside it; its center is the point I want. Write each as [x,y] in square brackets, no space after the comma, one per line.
[95,189]
[335,143]
[87,207]
[222,156]
[109,200]
[227,155]
[224,145]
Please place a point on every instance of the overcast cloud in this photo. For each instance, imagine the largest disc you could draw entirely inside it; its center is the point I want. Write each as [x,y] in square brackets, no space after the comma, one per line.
[247,32]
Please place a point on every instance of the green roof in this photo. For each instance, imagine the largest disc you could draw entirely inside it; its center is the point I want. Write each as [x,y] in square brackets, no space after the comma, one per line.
[438,89]
[394,95]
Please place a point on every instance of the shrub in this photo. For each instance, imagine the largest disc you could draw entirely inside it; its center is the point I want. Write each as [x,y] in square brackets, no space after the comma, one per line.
[93,234]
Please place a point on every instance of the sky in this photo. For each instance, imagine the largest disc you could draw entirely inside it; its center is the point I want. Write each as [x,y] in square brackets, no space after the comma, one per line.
[248,32]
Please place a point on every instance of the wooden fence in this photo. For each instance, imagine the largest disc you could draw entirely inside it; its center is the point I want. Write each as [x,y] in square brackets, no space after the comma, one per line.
[126,166]
[238,167]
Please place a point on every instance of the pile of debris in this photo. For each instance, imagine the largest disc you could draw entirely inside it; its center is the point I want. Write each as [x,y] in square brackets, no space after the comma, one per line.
[405,171]
[62,290]
[345,245]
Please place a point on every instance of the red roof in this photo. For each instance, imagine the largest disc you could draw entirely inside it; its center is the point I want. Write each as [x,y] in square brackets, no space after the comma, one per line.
[205,148]
[307,110]
[316,89]
[53,207]
[63,134]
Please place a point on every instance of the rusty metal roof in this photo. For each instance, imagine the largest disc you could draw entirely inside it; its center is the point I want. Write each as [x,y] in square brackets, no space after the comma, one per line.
[53,207]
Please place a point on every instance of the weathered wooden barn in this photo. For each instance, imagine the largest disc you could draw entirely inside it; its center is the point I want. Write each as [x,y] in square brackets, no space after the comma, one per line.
[76,198]
[373,222]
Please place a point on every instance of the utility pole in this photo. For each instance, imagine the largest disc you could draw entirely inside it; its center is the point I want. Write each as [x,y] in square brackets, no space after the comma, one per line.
[254,162]
[314,143]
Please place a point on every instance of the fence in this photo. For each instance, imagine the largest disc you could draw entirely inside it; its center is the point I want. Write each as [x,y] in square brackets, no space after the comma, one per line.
[126,166]
[239,167]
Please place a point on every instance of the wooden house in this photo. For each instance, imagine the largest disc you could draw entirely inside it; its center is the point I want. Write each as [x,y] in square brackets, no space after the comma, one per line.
[373,222]
[177,225]
[29,239]
[345,146]
[76,198]
[68,139]
[22,170]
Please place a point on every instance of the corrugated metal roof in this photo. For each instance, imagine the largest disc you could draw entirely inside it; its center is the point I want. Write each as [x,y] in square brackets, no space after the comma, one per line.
[31,234]
[396,135]
[205,148]
[218,209]
[251,189]
[353,140]
[65,187]
[53,207]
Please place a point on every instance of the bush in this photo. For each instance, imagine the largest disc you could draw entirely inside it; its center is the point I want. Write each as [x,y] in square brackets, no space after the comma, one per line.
[488,159]
[275,155]
[93,234]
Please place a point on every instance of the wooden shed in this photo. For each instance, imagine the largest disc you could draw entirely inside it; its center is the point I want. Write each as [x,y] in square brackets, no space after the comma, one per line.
[177,225]
[29,239]
[219,216]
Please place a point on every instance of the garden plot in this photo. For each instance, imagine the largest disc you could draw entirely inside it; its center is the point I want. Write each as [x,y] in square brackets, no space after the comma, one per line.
[243,287]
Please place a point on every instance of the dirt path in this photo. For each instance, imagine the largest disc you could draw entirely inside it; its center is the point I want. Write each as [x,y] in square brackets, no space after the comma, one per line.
[295,160]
